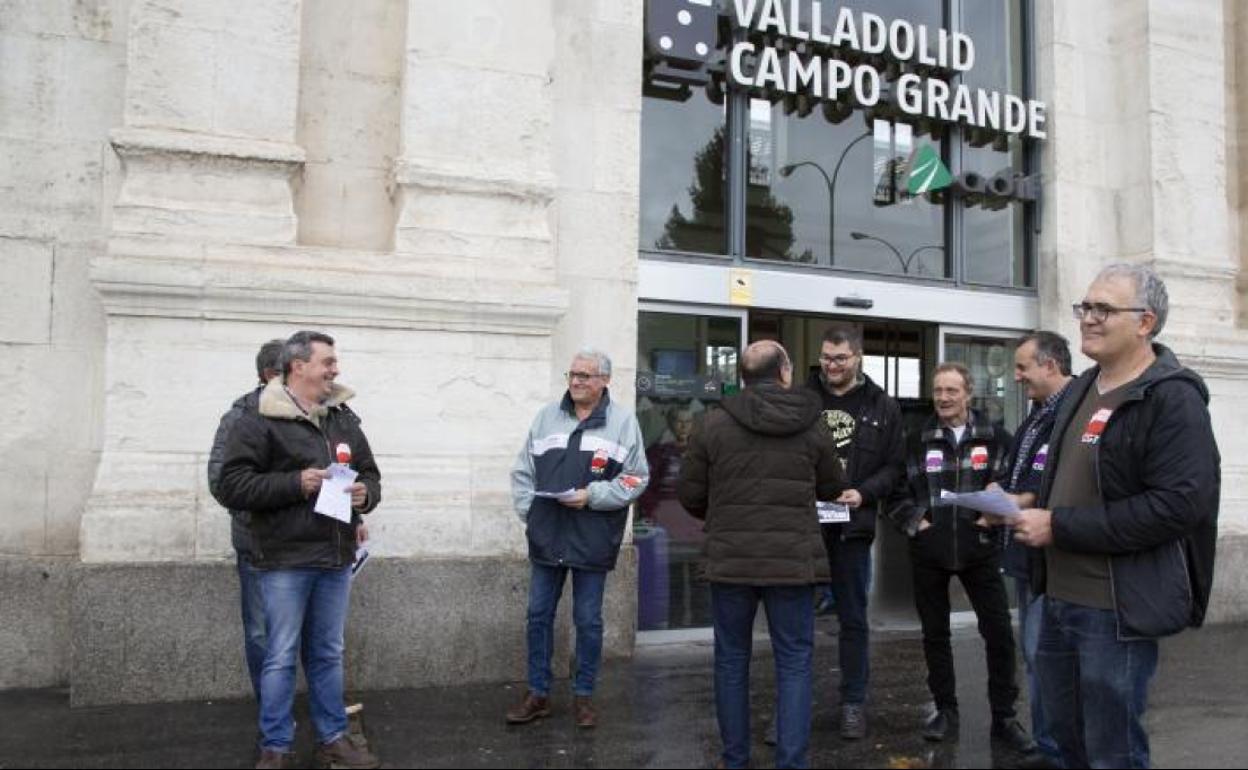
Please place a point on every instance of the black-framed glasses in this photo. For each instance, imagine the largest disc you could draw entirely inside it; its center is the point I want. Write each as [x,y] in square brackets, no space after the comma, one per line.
[580,376]
[838,360]
[1097,312]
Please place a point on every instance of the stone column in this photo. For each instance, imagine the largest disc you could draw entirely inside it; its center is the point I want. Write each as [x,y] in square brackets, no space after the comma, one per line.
[1137,170]
[207,152]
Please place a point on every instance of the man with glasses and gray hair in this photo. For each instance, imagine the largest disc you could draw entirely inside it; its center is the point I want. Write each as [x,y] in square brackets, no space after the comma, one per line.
[1127,516]
[582,465]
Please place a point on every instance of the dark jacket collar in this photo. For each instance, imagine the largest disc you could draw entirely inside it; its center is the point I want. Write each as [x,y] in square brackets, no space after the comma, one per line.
[976,428]
[1166,367]
[596,418]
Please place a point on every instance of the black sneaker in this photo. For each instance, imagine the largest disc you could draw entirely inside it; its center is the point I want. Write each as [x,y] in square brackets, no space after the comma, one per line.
[943,725]
[1009,733]
[853,722]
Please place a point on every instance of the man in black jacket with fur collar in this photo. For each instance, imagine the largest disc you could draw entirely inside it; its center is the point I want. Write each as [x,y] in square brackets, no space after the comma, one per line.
[275,462]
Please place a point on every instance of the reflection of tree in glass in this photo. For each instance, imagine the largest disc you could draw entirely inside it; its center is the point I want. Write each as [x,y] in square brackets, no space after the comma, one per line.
[769,230]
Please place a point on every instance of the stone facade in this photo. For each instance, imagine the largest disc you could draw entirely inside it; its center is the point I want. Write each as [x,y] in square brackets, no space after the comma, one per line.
[451,190]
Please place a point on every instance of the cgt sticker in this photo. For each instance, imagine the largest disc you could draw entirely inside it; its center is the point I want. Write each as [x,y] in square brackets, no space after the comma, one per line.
[1096,426]
[630,482]
[599,463]
[979,458]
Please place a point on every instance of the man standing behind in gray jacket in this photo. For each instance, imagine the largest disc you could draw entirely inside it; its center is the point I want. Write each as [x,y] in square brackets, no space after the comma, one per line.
[753,472]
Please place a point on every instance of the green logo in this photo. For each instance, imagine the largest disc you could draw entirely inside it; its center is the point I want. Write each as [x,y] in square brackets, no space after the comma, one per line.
[927,172]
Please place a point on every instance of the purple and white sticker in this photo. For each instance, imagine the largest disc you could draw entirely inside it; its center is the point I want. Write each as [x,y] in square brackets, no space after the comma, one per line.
[935,461]
[1042,457]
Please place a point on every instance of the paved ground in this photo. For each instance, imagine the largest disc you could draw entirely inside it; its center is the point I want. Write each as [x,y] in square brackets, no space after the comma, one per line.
[656,712]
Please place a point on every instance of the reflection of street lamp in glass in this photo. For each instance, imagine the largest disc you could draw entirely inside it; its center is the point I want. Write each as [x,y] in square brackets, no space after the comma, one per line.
[905,261]
[789,168]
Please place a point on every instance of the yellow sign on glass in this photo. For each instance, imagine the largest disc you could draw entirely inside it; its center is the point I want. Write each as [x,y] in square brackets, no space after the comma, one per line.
[740,287]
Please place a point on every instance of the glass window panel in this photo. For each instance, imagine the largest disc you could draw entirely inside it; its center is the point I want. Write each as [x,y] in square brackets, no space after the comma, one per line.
[685,365]
[829,188]
[839,178]
[683,155]
[996,243]
[991,362]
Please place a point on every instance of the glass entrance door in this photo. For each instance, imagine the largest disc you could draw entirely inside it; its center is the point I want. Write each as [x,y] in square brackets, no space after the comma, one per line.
[687,361]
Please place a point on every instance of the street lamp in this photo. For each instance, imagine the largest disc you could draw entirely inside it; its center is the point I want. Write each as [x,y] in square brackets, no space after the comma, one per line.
[905,261]
[789,168]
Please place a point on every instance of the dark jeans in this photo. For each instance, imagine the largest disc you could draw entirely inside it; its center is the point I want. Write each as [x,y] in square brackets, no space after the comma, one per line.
[1030,617]
[545,588]
[791,622]
[255,641]
[851,580]
[1095,687]
[986,590]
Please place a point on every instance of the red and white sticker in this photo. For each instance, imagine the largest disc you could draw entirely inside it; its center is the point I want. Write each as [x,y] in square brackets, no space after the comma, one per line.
[599,463]
[630,482]
[342,453]
[979,458]
[1096,426]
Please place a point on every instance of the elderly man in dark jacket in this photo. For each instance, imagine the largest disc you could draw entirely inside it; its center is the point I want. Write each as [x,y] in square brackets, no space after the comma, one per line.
[275,462]
[754,472]
[1128,519]
[959,451]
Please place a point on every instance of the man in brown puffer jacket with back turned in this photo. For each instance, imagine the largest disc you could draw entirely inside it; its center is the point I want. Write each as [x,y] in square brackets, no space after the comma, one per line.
[753,473]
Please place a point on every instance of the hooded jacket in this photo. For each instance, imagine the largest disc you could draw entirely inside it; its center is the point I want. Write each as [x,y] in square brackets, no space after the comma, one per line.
[754,472]
[1159,472]
[876,463]
[266,452]
[603,454]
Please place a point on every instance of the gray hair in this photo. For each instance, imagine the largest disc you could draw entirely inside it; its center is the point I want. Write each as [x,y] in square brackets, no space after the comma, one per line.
[299,347]
[597,356]
[1150,290]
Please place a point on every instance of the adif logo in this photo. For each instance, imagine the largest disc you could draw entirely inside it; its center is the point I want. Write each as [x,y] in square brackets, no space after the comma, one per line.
[927,172]
[682,31]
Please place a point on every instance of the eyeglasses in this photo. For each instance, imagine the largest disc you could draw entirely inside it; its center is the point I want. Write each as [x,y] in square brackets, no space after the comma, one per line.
[1098,312]
[837,360]
[580,376]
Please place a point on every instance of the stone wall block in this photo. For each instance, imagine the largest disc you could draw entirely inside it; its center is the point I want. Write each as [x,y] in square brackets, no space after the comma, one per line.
[26,285]
[167,85]
[34,638]
[483,34]
[255,93]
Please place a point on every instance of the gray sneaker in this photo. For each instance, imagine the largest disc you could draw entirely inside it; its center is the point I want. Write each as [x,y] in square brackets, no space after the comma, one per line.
[853,722]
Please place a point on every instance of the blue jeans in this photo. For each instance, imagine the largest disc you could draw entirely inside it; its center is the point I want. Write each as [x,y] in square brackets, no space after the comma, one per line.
[545,587]
[851,581]
[791,622]
[1094,686]
[251,602]
[1030,616]
[297,603]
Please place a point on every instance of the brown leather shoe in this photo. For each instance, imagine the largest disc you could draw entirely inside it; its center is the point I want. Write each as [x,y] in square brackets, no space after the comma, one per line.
[344,754]
[586,714]
[530,708]
[275,760]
